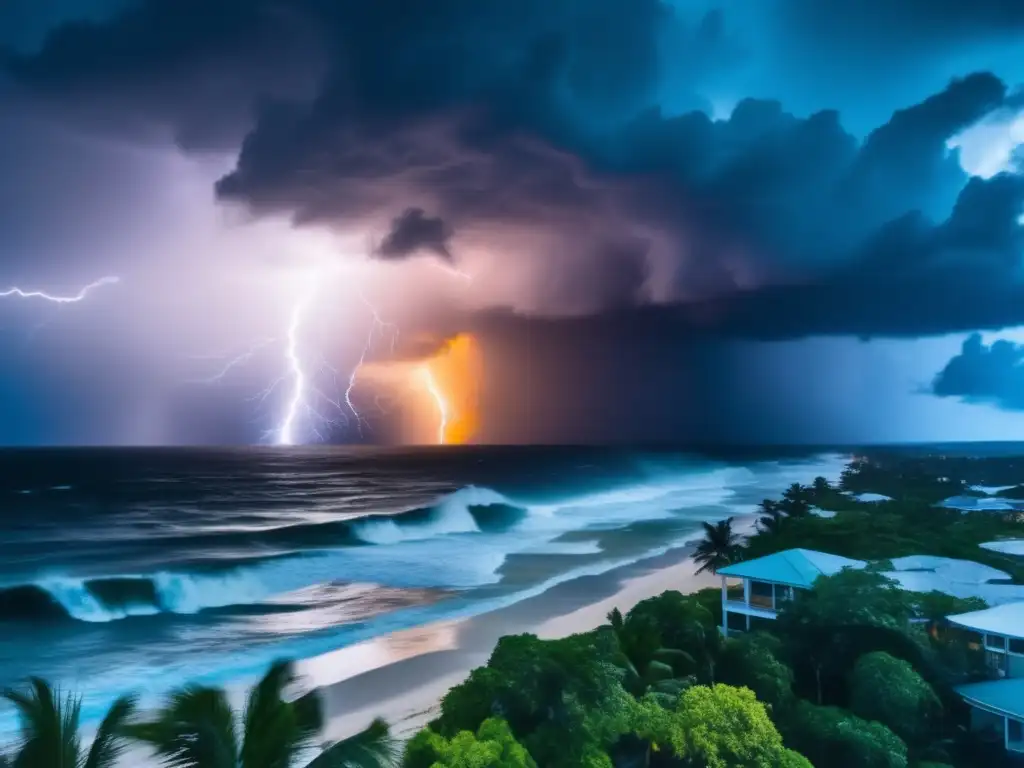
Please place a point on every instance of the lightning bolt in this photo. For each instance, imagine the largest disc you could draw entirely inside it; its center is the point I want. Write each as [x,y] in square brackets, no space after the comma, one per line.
[304,388]
[234,362]
[442,406]
[55,299]
[306,399]
[377,326]
[285,433]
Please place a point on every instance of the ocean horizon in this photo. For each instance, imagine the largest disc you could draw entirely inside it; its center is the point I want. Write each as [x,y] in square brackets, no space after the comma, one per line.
[141,569]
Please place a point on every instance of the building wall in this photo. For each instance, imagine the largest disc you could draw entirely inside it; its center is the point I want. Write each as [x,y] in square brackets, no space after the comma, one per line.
[1015,665]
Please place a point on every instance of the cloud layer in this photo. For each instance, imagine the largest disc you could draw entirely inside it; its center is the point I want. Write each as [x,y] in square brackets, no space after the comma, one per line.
[627,174]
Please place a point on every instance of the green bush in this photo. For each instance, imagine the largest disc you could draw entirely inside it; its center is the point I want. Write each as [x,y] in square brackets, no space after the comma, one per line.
[833,737]
[888,690]
[492,746]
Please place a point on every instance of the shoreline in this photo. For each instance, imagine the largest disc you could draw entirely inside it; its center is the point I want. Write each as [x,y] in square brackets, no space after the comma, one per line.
[414,668]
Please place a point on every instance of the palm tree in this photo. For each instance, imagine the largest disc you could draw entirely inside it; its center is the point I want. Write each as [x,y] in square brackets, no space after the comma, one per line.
[49,730]
[649,667]
[795,492]
[719,548]
[197,728]
[772,518]
[821,486]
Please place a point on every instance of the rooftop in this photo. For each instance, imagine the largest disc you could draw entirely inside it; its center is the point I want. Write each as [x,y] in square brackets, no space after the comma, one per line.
[1004,697]
[1006,619]
[792,567]
[1006,546]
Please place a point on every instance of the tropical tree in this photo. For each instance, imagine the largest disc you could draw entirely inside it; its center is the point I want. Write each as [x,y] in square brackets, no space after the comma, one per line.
[821,486]
[771,518]
[751,660]
[890,691]
[492,746]
[49,730]
[720,546]
[839,739]
[197,728]
[726,727]
[649,666]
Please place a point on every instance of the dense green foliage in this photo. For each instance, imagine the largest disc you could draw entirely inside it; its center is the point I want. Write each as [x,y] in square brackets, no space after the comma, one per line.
[492,746]
[724,727]
[833,737]
[563,699]
[889,691]
[855,673]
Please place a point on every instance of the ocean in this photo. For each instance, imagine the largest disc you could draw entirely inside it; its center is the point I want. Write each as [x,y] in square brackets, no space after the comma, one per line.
[140,569]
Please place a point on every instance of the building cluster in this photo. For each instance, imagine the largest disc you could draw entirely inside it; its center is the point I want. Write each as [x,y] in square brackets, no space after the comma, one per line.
[767,582]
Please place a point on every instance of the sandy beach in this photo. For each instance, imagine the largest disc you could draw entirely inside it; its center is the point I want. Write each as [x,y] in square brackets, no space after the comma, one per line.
[402,677]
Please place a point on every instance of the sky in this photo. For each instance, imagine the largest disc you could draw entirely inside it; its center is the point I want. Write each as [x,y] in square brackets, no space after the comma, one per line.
[551,221]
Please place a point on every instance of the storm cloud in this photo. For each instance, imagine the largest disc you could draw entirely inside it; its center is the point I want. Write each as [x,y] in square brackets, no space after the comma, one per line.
[534,130]
[414,232]
[991,373]
[638,174]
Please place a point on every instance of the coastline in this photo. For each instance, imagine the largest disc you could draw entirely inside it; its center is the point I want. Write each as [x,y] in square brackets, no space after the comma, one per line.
[403,676]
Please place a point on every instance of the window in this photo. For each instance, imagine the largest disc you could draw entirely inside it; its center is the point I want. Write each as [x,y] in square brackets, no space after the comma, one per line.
[761,594]
[1016,645]
[995,643]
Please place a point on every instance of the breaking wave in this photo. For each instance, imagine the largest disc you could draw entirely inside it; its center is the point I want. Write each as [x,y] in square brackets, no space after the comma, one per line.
[108,598]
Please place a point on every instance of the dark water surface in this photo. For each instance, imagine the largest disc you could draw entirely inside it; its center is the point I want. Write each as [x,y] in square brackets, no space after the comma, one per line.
[137,569]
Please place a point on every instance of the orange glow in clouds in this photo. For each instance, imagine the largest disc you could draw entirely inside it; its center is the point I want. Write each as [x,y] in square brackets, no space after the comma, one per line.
[438,396]
[452,380]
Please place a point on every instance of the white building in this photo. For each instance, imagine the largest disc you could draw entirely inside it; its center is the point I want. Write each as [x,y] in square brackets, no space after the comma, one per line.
[998,704]
[770,580]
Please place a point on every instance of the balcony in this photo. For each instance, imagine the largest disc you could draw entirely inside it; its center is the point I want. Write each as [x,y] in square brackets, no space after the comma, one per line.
[753,608]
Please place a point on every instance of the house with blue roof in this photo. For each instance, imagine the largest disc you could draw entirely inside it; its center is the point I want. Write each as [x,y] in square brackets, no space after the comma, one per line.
[997,704]
[771,580]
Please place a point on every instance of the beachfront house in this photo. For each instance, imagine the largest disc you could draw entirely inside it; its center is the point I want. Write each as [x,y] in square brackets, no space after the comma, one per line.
[997,704]
[771,580]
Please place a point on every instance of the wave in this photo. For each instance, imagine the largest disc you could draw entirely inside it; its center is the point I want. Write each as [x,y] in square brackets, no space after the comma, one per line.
[468,510]
[247,582]
[105,599]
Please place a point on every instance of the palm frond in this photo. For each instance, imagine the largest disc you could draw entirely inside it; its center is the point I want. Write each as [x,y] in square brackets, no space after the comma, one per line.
[370,748]
[272,733]
[49,726]
[195,729]
[109,742]
[675,657]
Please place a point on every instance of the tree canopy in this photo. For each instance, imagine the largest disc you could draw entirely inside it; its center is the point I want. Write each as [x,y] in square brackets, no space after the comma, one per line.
[890,691]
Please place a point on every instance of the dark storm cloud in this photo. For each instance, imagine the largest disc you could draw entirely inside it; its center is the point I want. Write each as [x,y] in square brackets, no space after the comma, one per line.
[414,232]
[541,117]
[193,68]
[988,374]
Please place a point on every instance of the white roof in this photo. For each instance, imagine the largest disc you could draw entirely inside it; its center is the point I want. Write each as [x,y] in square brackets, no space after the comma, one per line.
[973,503]
[990,489]
[1007,619]
[819,512]
[959,578]
[949,568]
[872,497]
[1006,546]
